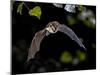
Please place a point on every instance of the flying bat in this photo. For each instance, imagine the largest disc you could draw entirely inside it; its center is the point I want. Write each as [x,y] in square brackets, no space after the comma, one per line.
[51,28]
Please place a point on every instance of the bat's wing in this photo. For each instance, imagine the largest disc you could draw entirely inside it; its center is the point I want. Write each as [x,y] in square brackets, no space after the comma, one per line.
[35,44]
[71,34]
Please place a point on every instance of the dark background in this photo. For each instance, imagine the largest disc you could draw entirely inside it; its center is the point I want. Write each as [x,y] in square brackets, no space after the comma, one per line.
[24,28]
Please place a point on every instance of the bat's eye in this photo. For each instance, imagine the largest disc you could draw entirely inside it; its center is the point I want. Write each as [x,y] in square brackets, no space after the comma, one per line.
[50,25]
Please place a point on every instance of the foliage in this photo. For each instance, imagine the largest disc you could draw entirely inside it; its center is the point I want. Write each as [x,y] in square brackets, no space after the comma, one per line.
[19,9]
[81,55]
[66,57]
[36,11]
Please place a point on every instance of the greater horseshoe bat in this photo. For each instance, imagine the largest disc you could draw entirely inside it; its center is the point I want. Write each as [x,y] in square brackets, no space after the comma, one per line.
[51,28]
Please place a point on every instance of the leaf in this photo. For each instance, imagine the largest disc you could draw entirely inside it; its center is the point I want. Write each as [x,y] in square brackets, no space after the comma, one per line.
[36,11]
[71,20]
[70,8]
[81,8]
[19,9]
[66,57]
[88,18]
[89,23]
[81,55]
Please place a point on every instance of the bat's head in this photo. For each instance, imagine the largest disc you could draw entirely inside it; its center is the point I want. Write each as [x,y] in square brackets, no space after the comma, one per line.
[53,26]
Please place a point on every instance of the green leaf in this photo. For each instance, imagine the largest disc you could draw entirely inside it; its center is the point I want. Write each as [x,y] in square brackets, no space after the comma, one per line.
[71,20]
[36,11]
[81,8]
[19,9]
[89,24]
[66,57]
[81,55]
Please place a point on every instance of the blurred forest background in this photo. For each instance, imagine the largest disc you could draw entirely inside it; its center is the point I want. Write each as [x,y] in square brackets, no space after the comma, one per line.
[57,51]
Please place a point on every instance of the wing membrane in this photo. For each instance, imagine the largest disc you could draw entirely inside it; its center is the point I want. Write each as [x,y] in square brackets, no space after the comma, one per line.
[71,34]
[35,44]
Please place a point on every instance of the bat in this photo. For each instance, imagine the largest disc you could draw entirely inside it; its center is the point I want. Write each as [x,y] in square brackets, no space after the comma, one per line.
[51,28]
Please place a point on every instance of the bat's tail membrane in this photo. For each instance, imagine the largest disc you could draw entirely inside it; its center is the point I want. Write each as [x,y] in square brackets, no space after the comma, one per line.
[65,29]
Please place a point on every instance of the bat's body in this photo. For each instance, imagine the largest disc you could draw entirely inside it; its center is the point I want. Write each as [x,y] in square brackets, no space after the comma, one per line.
[52,27]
